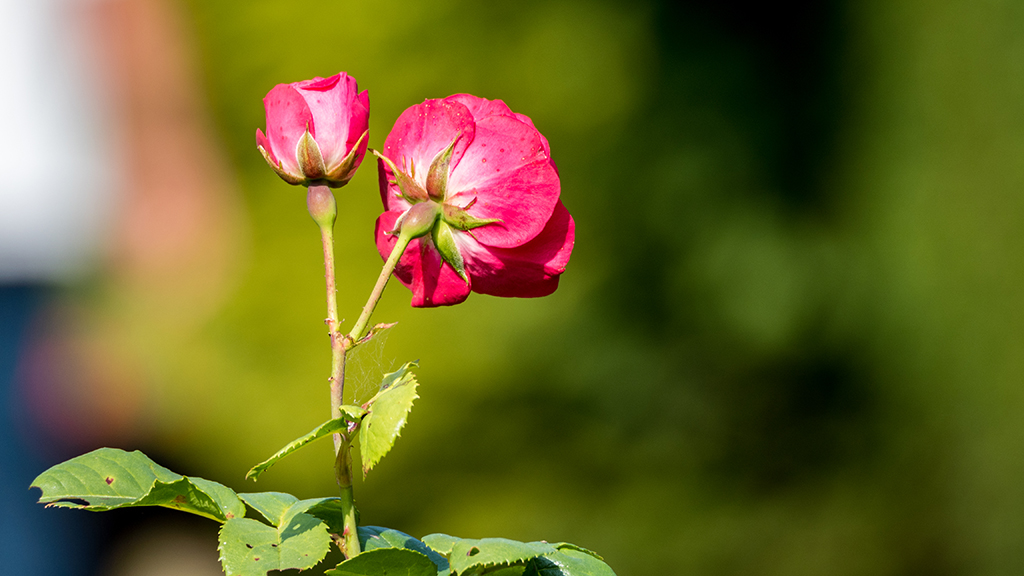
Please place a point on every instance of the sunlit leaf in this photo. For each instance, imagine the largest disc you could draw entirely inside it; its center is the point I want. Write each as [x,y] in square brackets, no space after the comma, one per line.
[386,562]
[387,415]
[374,537]
[349,414]
[251,548]
[109,478]
[469,554]
[441,543]
[278,508]
[569,560]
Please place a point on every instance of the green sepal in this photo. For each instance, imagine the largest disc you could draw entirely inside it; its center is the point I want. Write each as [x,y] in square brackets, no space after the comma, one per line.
[387,414]
[344,171]
[411,190]
[386,562]
[349,414]
[108,478]
[444,240]
[484,553]
[460,219]
[311,161]
[279,168]
[437,176]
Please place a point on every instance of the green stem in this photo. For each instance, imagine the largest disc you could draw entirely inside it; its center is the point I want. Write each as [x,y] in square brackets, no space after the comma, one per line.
[382,281]
[343,472]
[322,207]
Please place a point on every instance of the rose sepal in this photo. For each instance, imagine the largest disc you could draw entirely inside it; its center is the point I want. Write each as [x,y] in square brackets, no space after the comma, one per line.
[411,190]
[444,241]
[437,176]
[461,219]
[343,172]
[279,168]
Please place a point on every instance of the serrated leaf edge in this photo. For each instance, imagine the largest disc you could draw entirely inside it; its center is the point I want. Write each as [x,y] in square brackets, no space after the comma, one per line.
[408,379]
[504,563]
[322,431]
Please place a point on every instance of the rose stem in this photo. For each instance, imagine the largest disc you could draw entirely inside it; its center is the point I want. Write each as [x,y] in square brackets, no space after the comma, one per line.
[323,208]
[382,281]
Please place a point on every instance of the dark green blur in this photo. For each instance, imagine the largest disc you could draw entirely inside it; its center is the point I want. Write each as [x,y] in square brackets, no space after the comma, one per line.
[790,340]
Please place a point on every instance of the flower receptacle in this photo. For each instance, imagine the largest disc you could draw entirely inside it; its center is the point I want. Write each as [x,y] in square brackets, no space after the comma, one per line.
[322,205]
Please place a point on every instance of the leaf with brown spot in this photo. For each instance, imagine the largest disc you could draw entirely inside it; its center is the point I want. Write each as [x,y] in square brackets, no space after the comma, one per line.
[109,478]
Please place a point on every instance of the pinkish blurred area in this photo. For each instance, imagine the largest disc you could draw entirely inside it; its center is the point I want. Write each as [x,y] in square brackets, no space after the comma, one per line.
[116,204]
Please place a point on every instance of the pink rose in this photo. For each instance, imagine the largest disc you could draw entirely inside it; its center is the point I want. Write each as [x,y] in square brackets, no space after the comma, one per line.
[316,130]
[487,174]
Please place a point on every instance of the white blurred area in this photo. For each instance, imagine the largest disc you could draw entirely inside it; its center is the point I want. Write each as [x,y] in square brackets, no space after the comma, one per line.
[57,156]
[111,173]
[119,216]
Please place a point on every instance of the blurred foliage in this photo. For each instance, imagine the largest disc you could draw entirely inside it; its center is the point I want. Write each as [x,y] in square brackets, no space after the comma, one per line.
[789,340]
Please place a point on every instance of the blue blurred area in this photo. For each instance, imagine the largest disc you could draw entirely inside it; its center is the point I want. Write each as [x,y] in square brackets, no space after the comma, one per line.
[37,541]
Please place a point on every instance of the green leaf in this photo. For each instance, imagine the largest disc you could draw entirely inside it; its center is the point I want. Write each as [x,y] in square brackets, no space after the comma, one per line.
[517,570]
[569,561]
[469,554]
[109,478]
[272,505]
[278,508]
[388,411]
[327,509]
[571,546]
[375,537]
[251,548]
[441,543]
[349,414]
[386,562]
[393,378]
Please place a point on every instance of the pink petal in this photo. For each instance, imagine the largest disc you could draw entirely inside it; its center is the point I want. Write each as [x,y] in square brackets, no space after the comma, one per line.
[509,173]
[360,118]
[481,108]
[318,83]
[527,271]
[420,133]
[528,120]
[360,123]
[263,142]
[335,106]
[287,118]
[420,269]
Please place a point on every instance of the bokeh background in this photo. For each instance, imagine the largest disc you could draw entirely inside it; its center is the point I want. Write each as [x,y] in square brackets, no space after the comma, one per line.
[790,340]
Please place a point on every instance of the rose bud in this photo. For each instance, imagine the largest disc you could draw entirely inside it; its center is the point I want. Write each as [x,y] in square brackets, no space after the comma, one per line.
[501,228]
[316,130]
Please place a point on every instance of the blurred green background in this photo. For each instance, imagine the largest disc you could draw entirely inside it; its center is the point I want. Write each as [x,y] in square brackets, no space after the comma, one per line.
[789,341]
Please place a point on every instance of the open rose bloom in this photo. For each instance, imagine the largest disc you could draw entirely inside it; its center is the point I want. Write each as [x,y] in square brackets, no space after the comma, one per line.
[500,229]
[316,130]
